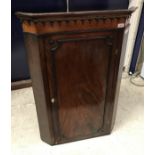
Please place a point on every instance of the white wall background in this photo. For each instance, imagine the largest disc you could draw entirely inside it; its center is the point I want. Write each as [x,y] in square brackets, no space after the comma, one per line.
[131,33]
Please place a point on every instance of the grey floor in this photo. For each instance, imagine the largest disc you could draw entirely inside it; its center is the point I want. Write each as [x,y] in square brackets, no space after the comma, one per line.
[126,138]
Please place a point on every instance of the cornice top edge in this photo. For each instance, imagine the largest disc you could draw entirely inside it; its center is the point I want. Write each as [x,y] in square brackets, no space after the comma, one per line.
[81,14]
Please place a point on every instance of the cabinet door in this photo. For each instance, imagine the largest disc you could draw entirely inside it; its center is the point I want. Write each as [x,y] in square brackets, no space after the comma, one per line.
[78,73]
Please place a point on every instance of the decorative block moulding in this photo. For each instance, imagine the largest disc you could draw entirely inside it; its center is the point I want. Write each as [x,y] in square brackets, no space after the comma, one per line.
[75,62]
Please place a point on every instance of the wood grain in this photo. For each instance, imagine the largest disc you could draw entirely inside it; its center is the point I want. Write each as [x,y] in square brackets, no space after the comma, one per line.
[75,63]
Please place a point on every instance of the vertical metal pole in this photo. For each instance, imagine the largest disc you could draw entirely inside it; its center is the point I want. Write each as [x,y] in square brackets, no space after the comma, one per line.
[67,5]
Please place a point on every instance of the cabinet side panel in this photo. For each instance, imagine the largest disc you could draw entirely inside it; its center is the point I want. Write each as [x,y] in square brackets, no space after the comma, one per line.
[35,51]
[114,83]
[120,60]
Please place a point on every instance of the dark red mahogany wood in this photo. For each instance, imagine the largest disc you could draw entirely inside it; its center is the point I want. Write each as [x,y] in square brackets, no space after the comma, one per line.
[75,62]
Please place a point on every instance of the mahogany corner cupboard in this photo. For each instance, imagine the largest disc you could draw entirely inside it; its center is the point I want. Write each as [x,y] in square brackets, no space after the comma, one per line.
[75,62]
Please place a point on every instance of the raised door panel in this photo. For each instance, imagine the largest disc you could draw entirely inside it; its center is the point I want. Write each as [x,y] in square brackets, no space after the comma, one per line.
[78,68]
